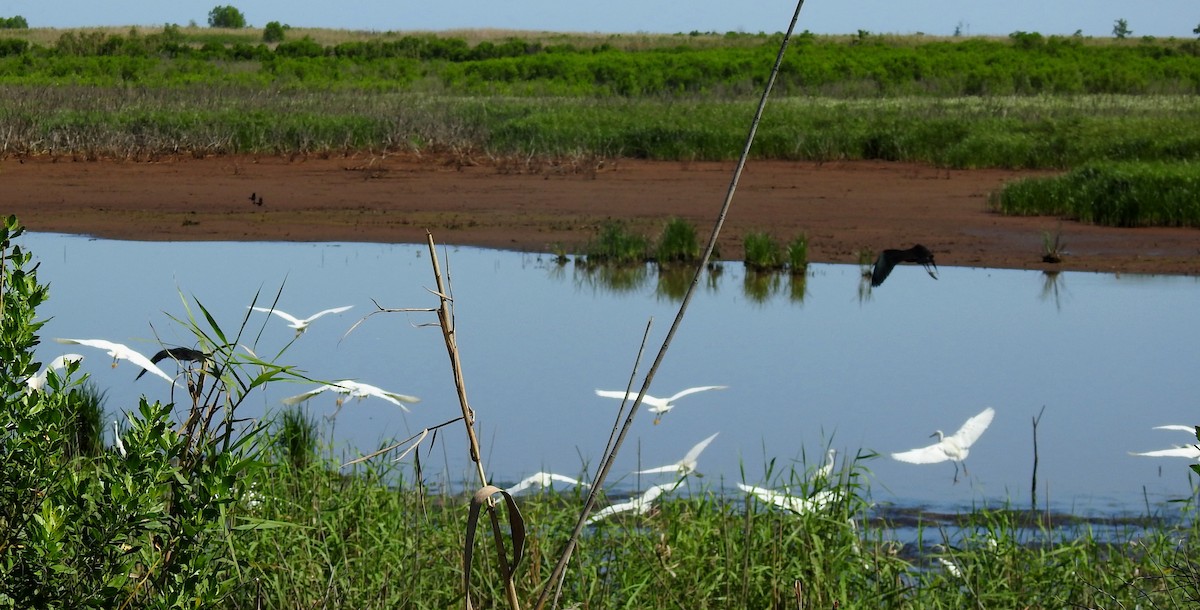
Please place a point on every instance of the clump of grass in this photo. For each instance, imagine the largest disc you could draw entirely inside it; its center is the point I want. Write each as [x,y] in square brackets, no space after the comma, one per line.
[1126,194]
[84,421]
[678,243]
[296,438]
[797,254]
[762,252]
[616,245]
[1052,246]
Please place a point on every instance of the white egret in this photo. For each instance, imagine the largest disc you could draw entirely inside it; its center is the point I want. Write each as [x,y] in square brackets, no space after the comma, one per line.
[687,465]
[543,480]
[117,439]
[826,469]
[121,352]
[640,505]
[38,381]
[658,406]
[954,447]
[785,501]
[299,324]
[354,389]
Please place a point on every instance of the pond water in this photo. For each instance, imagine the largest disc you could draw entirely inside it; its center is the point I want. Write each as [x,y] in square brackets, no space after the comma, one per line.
[825,364]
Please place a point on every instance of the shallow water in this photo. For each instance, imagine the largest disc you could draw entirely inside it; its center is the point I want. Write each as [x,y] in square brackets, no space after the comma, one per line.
[1108,357]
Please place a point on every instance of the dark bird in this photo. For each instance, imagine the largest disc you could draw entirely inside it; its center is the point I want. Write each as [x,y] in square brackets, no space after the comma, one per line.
[258,201]
[178,354]
[890,258]
[253,196]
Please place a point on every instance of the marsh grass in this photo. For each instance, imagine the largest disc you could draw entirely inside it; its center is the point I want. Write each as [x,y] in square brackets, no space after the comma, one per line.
[761,252]
[527,134]
[1128,194]
[797,254]
[677,243]
[85,425]
[616,245]
[376,536]
[1053,246]
[295,435]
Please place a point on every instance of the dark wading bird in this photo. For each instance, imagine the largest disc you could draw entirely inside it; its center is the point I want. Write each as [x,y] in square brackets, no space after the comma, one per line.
[890,258]
[178,354]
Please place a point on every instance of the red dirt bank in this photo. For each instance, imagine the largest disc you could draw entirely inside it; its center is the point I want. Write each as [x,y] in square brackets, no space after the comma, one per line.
[842,207]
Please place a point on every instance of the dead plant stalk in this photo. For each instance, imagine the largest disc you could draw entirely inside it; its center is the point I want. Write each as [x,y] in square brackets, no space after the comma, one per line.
[445,314]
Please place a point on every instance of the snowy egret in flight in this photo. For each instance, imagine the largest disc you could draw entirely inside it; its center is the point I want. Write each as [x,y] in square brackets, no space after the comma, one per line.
[954,447]
[640,505]
[37,382]
[300,325]
[888,259]
[121,352]
[785,501]
[687,465]
[543,480]
[354,389]
[658,406]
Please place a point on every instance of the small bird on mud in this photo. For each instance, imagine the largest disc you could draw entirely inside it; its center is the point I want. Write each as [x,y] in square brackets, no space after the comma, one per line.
[256,199]
[890,258]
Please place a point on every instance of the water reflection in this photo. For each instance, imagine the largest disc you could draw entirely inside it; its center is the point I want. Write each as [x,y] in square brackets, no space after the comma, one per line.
[875,374]
[1053,285]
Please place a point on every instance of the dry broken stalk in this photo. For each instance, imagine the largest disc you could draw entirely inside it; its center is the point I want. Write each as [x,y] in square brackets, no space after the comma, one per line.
[606,463]
[446,322]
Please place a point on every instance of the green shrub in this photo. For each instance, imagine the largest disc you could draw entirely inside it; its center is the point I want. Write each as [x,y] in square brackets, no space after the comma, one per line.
[616,245]
[797,254]
[762,252]
[273,32]
[13,23]
[678,243]
[226,17]
[1129,194]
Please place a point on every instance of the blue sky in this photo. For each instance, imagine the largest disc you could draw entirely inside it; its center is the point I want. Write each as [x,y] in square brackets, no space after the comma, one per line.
[936,17]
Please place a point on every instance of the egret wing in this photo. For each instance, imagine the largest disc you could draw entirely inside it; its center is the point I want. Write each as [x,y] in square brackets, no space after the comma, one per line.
[283,314]
[648,399]
[924,455]
[667,468]
[291,400]
[144,362]
[695,452]
[974,427]
[327,311]
[1179,427]
[565,479]
[1190,451]
[688,391]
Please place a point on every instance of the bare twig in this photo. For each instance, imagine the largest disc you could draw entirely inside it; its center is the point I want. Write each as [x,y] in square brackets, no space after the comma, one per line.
[606,464]
[1033,484]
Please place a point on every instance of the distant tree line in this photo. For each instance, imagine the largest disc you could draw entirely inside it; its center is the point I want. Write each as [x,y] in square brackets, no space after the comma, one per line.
[13,23]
